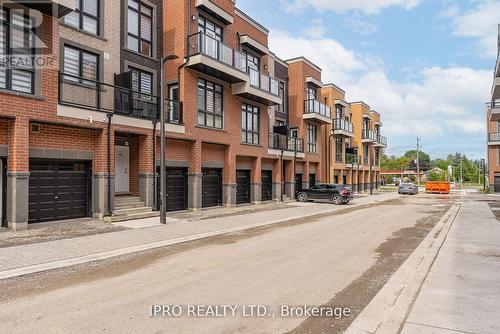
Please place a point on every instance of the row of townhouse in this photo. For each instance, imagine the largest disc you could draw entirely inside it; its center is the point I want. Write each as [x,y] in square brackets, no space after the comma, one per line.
[493,127]
[79,137]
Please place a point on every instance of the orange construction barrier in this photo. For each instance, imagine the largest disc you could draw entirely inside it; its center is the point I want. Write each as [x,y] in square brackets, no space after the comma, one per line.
[437,187]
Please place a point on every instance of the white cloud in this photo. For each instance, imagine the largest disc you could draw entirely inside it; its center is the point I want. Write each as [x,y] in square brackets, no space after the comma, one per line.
[480,23]
[316,30]
[433,103]
[370,7]
[359,24]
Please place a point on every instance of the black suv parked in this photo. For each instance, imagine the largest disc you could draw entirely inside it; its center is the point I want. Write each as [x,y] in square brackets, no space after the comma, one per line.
[336,193]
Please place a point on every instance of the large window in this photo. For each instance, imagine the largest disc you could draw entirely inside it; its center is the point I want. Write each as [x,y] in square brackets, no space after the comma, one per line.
[282,106]
[209,100]
[338,150]
[312,92]
[85,16]
[365,154]
[312,138]
[142,81]
[209,28]
[16,41]
[80,65]
[140,28]
[249,124]
[377,156]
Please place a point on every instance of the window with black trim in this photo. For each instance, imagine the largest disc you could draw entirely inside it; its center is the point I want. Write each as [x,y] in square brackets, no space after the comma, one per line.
[210,104]
[210,28]
[338,150]
[85,17]
[250,124]
[17,41]
[80,65]
[365,154]
[140,28]
[282,106]
[142,81]
[312,138]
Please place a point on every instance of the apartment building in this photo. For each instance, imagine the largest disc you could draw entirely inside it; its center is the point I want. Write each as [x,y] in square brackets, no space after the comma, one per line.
[81,138]
[493,127]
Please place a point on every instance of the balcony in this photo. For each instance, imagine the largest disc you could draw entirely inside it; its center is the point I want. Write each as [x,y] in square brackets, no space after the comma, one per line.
[212,57]
[284,143]
[368,136]
[88,94]
[260,88]
[381,141]
[342,127]
[317,111]
[56,8]
[494,139]
[352,159]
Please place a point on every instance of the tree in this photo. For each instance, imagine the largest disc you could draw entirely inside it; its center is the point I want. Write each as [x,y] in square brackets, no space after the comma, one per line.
[424,159]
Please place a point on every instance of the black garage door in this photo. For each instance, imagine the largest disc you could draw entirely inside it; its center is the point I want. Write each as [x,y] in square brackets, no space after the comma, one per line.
[497,184]
[242,186]
[58,190]
[177,189]
[312,180]
[298,182]
[3,189]
[267,185]
[212,187]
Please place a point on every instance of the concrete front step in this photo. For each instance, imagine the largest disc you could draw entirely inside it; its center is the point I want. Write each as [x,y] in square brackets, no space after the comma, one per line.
[128,211]
[129,205]
[134,216]
[127,199]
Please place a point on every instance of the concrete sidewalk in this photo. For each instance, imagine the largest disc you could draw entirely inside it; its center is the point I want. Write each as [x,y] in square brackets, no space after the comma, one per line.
[462,291]
[450,284]
[26,259]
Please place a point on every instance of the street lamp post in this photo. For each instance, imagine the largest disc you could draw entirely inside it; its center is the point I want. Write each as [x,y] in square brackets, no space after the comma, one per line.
[163,194]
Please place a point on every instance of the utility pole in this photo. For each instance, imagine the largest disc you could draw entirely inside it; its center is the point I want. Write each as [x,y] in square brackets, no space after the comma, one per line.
[418,161]
[461,172]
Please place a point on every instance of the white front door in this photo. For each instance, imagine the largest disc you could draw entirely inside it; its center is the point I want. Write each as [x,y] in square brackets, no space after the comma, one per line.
[122,154]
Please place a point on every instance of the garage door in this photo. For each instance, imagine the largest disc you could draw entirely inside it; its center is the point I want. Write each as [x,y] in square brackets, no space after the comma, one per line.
[177,189]
[212,188]
[267,185]
[242,186]
[312,180]
[298,182]
[497,184]
[3,192]
[58,190]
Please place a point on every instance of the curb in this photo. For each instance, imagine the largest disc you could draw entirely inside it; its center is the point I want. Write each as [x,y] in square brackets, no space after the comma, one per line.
[11,273]
[389,309]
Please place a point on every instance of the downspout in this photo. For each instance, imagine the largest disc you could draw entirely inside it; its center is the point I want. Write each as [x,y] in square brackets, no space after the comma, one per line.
[110,116]
[328,162]
[155,185]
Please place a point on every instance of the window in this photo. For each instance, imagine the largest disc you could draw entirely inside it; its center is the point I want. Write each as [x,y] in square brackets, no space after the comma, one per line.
[209,28]
[365,154]
[338,112]
[282,106]
[338,150]
[253,68]
[85,16]
[142,81]
[294,133]
[312,138]
[140,28]
[174,106]
[17,42]
[377,156]
[209,100]
[80,65]
[312,93]
[280,123]
[249,124]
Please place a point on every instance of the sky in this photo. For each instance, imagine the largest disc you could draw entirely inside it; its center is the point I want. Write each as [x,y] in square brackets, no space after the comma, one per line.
[425,65]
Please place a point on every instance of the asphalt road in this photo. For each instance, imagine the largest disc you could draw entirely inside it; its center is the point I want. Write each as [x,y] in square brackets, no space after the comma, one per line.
[335,260]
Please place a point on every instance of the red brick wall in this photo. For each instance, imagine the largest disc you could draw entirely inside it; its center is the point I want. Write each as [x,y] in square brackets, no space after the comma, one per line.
[55,136]
[4,131]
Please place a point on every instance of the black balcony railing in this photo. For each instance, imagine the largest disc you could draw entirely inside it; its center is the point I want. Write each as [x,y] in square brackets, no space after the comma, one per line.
[342,125]
[316,107]
[382,140]
[95,95]
[368,134]
[285,143]
[352,159]
[201,43]
[494,137]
